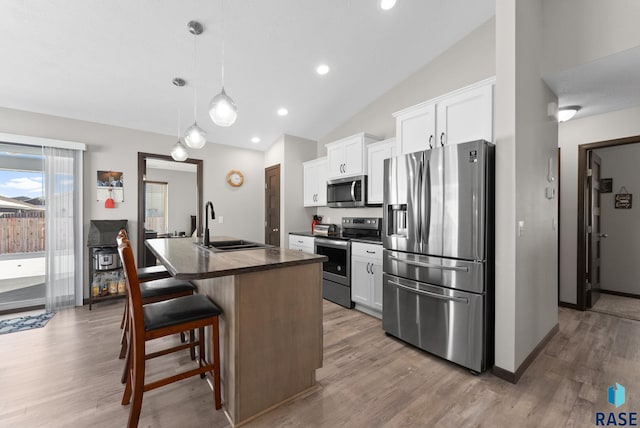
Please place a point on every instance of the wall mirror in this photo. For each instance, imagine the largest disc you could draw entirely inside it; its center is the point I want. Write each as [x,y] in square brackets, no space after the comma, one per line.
[166,205]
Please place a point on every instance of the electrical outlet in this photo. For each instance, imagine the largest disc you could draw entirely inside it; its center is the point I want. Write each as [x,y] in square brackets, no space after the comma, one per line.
[221,219]
[521,228]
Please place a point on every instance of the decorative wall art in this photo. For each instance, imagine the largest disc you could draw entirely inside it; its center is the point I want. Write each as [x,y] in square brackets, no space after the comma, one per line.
[606,185]
[623,199]
[110,188]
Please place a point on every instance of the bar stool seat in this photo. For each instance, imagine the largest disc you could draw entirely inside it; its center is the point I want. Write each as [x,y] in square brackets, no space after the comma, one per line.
[151,273]
[164,288]
[178,311]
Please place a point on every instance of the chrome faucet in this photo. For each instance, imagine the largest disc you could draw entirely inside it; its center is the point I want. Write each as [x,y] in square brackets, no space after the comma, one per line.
[206,222]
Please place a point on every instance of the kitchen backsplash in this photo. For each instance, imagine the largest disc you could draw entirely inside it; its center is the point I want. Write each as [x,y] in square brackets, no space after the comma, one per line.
[334,215]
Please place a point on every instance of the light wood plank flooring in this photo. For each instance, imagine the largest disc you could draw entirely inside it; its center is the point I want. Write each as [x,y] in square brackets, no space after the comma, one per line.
[67,375]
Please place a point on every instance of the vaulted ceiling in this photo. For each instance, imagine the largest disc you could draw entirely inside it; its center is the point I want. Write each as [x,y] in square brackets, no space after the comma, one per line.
[112,62]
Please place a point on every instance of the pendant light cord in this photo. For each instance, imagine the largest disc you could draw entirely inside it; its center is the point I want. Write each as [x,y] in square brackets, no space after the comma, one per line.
[179,122]
[223,38]
[195,88]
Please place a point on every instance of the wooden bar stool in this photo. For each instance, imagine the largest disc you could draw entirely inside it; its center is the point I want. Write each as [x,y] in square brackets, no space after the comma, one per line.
[156,286]
[156,320]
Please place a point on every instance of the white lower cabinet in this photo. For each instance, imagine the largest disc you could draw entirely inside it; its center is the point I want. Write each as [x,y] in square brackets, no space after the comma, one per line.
[366,277]
[302,243]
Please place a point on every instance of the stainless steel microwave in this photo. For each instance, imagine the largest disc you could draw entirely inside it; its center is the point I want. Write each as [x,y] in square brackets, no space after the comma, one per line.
[347,192]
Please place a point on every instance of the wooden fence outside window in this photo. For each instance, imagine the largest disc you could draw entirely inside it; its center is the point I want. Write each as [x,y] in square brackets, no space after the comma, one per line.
[21,232]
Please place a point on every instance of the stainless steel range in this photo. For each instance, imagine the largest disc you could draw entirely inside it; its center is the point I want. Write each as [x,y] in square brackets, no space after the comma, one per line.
[336,273]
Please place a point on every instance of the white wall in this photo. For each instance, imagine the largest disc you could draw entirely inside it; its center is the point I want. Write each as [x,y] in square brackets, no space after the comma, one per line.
[470,60]
[590,129]
[182,196]
[290,152]
[526,138]
[296,217]
[619,267]
[577,32]
[580,31]
[114,148]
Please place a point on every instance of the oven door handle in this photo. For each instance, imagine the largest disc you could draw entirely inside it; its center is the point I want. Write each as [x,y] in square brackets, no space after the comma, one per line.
[429,294]
[331,243]
[431,265]
[353,191]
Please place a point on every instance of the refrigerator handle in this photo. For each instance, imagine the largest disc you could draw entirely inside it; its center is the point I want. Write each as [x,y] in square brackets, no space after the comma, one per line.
[431,265]
[353,190]
[429,294]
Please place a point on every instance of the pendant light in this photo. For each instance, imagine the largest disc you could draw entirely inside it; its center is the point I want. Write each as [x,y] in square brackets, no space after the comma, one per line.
[179,152]
[222,109]
[195,137]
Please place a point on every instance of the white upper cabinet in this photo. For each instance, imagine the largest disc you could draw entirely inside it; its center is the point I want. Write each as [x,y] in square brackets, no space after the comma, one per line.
[460,116]
[467,116]
[376,154]
[315,182]
[347,157]
[416,128]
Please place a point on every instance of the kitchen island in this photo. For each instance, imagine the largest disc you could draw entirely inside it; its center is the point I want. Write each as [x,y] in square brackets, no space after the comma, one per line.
[271,322]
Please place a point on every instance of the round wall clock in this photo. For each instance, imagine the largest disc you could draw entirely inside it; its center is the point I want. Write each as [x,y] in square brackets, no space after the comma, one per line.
[235,178]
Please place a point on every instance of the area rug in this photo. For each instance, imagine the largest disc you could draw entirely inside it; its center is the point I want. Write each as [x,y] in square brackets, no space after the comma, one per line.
[28,322]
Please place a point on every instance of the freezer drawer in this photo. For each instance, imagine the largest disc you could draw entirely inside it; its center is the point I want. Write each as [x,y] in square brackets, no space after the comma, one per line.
[447,323]
[451,273]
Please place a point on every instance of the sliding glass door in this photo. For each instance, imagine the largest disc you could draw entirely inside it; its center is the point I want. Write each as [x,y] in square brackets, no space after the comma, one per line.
[22,227]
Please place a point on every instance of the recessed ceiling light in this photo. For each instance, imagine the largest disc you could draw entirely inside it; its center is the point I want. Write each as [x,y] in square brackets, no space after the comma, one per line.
[283,111]
[566,113]
[387,4]
[255,140]
[322,69]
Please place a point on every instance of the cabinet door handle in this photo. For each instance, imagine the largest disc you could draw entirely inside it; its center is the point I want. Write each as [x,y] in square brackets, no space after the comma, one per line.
[430,140]
[371,252]
[442,139]
[368,267]
[300,242]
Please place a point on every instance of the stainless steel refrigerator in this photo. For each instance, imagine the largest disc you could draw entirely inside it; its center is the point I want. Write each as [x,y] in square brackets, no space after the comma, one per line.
[438,263]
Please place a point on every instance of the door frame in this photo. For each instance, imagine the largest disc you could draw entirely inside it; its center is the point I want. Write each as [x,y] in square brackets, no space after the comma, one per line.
[142,173]
[583,211]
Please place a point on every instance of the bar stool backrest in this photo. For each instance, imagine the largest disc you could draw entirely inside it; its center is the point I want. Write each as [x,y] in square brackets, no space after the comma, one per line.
[134,297]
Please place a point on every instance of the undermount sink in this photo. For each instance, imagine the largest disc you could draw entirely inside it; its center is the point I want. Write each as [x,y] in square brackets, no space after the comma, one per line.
[234,245]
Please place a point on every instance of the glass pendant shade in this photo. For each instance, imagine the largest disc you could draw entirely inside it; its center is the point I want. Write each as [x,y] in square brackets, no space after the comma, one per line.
[179,152]
[195,137]
[223,110]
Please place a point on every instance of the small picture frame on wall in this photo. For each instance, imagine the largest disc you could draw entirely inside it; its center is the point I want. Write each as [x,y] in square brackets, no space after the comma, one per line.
[623,199]
[606,185]
[110,185]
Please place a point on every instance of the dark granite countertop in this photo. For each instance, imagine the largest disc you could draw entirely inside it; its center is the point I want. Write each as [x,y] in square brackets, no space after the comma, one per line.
[185,259]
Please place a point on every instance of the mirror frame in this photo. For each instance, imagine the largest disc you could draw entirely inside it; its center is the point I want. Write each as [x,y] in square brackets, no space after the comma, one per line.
[142,172]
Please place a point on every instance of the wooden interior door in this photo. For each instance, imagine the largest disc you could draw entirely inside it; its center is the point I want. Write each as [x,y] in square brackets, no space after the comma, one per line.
[272,205]
[594,234]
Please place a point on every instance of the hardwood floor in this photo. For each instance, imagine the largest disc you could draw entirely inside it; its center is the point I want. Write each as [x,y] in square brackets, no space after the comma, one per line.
[67,375]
